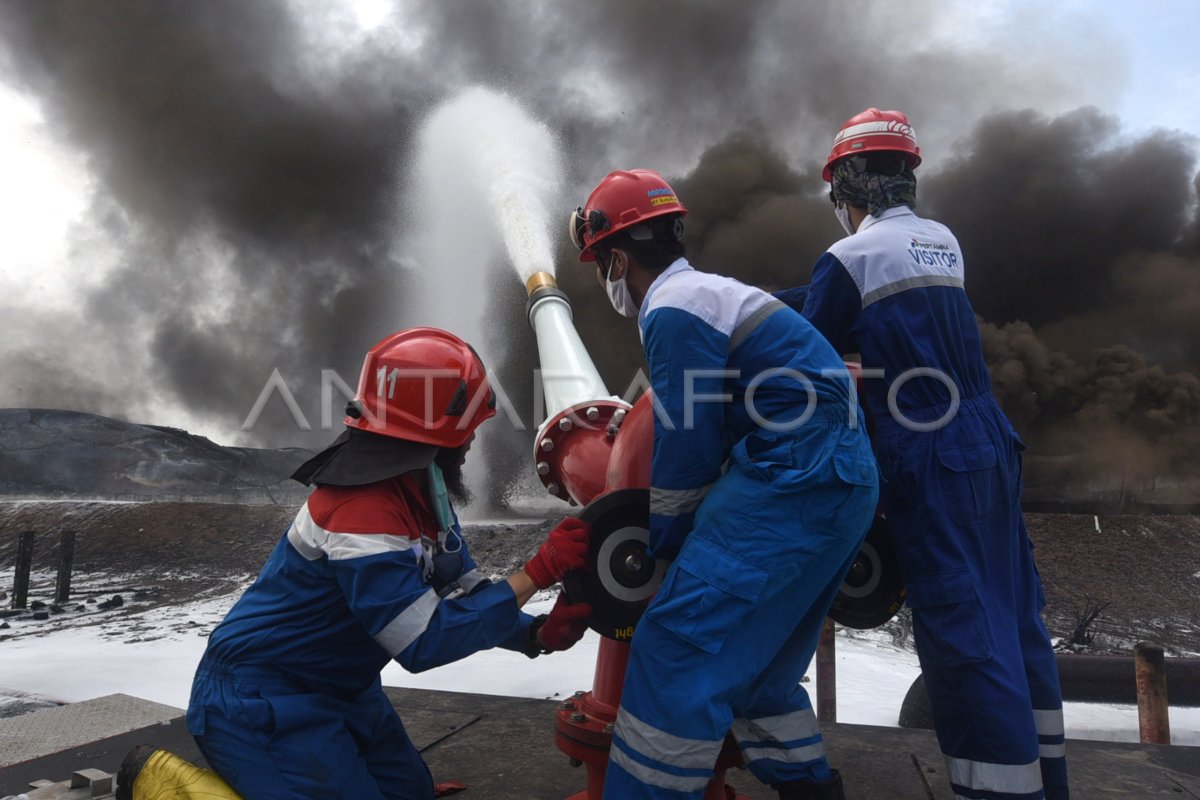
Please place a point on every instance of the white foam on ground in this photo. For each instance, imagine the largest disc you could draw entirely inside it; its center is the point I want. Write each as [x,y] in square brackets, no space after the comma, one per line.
[83,663]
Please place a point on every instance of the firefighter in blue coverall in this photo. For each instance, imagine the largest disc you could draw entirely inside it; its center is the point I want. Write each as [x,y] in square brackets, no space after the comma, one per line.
[287,701]
[761,495]
[892,291]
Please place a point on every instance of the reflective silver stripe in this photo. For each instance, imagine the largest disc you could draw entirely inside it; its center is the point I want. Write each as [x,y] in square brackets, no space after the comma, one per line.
[656,777]
[1052,750]
[666,747]
[750,323]
[309,550]
[789,727]
[671,502]
[312,541]
[985,777]
[469,580]
[915,282]
[876,128]
[796,755]
[341,546]
[1048,722]
[410,624]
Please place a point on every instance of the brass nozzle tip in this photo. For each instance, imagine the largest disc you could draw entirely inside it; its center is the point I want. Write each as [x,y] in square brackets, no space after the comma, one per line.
[540,280]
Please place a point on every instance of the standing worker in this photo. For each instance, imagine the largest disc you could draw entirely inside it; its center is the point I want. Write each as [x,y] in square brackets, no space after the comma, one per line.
[761,494]
[287,700]
[892,291]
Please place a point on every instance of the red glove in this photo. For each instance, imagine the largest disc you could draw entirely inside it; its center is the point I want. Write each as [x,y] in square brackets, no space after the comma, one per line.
[565,625]
[565,550]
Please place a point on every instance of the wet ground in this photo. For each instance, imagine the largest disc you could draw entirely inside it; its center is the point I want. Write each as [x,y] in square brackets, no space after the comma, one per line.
[1142,571]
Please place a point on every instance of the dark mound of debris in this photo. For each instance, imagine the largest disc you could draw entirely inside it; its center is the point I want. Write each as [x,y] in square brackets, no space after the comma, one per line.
[74,455]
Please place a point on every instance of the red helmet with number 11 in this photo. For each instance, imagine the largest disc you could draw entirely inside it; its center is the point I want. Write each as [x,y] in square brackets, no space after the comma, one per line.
[423,385]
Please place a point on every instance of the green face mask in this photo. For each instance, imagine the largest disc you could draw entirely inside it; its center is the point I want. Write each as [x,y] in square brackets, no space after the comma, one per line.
[441,499]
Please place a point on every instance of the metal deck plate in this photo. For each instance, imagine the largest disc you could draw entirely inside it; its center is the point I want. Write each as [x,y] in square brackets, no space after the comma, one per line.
[51,730]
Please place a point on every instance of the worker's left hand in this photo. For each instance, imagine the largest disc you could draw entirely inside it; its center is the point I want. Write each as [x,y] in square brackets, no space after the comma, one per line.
[565,625]
[565,550]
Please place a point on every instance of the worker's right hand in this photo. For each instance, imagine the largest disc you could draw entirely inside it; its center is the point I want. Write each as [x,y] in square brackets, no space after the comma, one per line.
[565,550]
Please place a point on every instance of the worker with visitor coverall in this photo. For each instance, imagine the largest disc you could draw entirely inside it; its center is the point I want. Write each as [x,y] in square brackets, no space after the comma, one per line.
[893,292]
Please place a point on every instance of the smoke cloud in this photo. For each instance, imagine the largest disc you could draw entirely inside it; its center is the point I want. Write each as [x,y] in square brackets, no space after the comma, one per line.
[1080,254]
[254,212]
[1081,264]
[251,159]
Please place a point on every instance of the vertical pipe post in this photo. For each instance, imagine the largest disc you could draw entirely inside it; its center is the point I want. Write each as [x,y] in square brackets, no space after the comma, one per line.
[24,564]
[1153,716]
[826,675]
[66,557]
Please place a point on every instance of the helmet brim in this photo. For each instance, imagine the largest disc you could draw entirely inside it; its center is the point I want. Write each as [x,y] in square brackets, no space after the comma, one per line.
[358,458]
[588,253]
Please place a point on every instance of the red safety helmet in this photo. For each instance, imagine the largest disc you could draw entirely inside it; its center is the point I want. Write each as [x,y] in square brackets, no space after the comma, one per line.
[623,199]
[873,130]
[424,385]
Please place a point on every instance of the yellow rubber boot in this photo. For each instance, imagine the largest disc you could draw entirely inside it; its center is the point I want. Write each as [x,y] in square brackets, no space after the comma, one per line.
[151,773]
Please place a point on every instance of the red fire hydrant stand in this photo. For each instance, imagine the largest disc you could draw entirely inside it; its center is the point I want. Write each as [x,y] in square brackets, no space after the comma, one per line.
[584,723]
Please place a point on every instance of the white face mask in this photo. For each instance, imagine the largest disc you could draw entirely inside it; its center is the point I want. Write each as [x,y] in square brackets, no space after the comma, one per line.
[619,296]
[842,212]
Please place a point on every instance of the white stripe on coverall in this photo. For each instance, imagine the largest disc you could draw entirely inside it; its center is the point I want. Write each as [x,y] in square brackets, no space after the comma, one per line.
[667,748]
[776,730]
[673,502]
[1049,722]
[409,624]
[984,777]
[312,541]
[656,777]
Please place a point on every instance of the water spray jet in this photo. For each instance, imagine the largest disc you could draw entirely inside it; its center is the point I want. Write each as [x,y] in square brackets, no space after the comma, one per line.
[593,449]
[480,189]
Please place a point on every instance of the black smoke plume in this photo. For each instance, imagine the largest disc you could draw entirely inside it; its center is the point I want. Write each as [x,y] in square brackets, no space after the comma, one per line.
[252,177]
[202,133]
[1081,264]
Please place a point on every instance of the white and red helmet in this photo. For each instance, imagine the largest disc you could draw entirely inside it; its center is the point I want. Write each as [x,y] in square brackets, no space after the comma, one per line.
[873,131]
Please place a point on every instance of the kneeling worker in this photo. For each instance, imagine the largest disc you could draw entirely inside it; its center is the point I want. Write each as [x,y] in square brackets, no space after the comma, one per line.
[287,700]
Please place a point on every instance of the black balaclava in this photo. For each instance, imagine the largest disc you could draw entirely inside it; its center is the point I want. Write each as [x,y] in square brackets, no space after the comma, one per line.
[856,185]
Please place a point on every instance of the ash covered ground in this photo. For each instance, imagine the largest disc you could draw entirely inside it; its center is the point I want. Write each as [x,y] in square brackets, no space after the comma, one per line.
[137,564]
[158,555]
[1142,571]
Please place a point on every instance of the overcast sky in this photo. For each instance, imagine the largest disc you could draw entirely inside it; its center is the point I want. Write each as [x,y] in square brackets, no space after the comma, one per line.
[197,194]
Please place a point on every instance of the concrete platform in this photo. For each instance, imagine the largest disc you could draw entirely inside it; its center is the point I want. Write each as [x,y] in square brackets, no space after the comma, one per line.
[502,748]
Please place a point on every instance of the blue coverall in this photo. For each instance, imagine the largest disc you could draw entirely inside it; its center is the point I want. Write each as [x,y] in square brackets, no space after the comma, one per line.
[951,466]
[759,547]
[287,700]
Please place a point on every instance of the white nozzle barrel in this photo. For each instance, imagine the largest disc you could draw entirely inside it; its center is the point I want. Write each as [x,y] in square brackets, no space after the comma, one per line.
[568,375]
